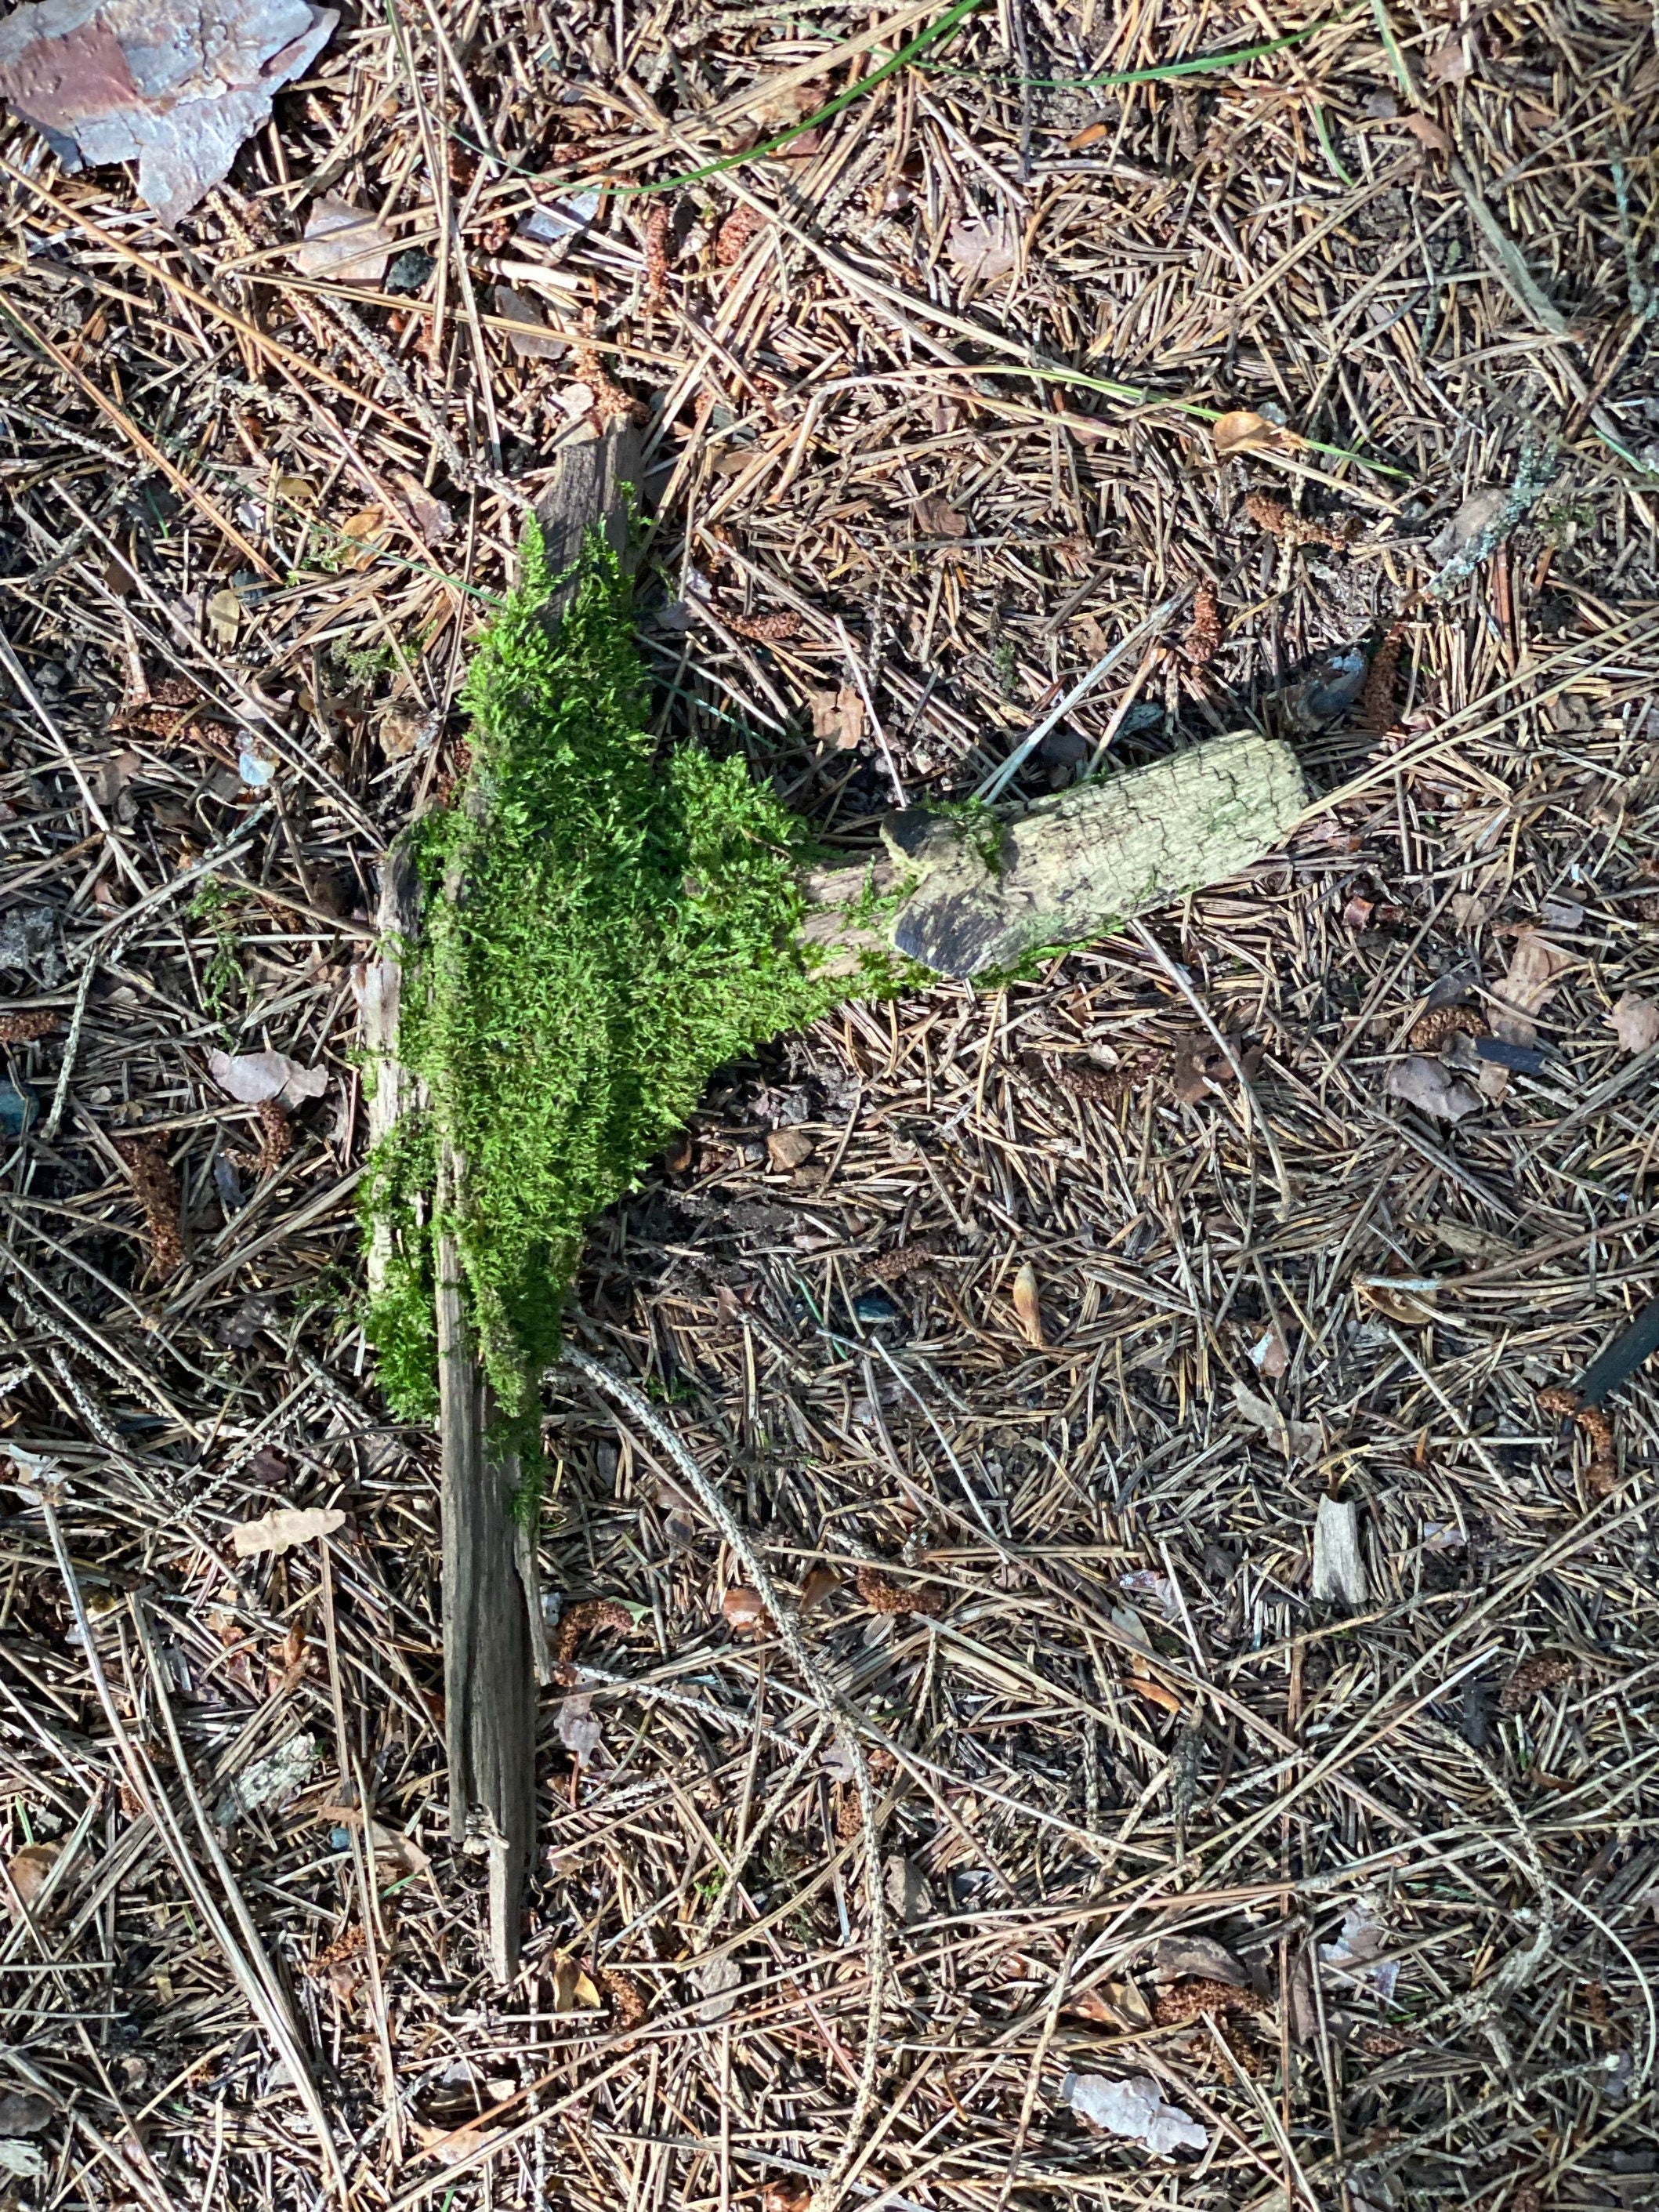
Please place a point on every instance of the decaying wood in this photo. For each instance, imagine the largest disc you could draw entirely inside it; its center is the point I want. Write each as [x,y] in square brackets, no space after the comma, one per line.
[987,895]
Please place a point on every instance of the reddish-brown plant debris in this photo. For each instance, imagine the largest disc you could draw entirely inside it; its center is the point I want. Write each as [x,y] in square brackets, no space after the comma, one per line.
[1105,1086]
[1433,1028]
[883,1595]
[1545,1670]
[763,629]
[1203,640]
[157,1189]
[1283,521]
[628,2000]
[1184,2001]
[1376,700]
[276,1135]
[1601,1475]
[583,1619]
[28,1023]
[734,235]
[893,1267]
[658,231]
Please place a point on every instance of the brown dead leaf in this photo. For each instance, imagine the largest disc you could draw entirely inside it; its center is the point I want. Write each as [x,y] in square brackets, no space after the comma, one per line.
[1450,62]
[745,1613]
[937,518]
[281,1529]
[785,2196]
[1293,1439]
[1243,432]
[838,717]
[822,1582]
[1146,1685]
[344,244]
[1114,2005]
[1427,132]
[788,1149]
[1433,1088]
[1195,1957]
[1028,1306]
[1535,966]
[984,252]
[28,1870]
[571,1990]
[1636,1022]
[529,337]
[431,514]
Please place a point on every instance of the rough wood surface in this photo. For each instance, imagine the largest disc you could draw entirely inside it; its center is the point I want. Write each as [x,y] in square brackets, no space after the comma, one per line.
[393,1090]
[985,895]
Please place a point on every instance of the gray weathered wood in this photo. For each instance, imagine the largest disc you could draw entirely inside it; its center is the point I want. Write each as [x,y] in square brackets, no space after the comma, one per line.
[963,898]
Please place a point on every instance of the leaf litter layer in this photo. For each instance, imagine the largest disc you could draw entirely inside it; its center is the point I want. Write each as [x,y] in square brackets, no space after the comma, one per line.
[1141,1766]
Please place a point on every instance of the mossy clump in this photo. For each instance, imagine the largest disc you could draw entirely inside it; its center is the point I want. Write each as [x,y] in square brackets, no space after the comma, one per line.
[605,923]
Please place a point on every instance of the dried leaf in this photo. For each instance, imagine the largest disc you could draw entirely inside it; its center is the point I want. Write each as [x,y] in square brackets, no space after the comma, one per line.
[789,1149]
[1477,512]
[431,514]
[1029,1307]
[1636,1022]
[838,717]
[1270,1352]
[984,252]
[1195,1958]
[571,1990]
[176,85]
[1293,1439]
[224,612]
[1427,132]
[22,2159]
[785,2196]
[1356,1949]
[908,1892]
[1433,1088]
[822,1582]
[578,1729]
[1535,966]
[345,243]
[1134,2108]
[744,1610]
[251,1077]
[529,340]
[1157,1694]
[1114,2005]
[1245,432]
[720,1980]
[283,1527]
[937,518]
[28,1870]
[23,2112]
[1451,62]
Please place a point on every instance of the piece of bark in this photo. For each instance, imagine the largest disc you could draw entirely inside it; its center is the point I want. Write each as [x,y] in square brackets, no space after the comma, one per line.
[1339,1569]
[490,1697]
[973,897]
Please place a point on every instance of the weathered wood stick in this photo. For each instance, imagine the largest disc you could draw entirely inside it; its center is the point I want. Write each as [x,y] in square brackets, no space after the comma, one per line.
[977,895]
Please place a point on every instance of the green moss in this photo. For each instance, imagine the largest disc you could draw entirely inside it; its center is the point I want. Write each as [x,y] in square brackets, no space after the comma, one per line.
[603,926]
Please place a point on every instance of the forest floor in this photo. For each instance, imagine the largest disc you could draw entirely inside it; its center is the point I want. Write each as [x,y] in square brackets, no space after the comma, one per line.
[1361,1882]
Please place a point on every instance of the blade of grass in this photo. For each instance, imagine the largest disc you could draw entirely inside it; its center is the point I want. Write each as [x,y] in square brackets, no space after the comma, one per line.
[1322,133]
[931,36]
[1159,72]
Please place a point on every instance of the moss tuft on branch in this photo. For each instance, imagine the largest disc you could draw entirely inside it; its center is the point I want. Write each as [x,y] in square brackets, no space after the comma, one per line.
[604,925]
